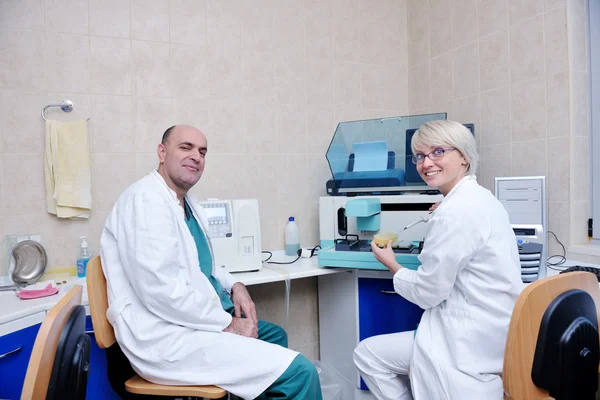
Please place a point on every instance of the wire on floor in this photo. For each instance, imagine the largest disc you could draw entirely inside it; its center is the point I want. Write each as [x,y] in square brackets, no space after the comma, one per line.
[561,258]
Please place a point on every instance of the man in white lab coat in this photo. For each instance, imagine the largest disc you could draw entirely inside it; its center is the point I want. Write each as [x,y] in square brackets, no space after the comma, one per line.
[467,283]
[179,320]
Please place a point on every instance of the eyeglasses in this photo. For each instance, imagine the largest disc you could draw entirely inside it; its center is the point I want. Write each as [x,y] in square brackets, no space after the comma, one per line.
[434,155]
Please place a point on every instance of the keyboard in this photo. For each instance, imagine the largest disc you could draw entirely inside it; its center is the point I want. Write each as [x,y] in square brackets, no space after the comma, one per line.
[575,268]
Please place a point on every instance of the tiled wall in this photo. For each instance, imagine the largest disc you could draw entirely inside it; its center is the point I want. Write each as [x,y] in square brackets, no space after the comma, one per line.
[518,70]
[267,80]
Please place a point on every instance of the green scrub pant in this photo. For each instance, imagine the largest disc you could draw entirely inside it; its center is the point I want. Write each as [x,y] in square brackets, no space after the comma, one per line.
[300,381]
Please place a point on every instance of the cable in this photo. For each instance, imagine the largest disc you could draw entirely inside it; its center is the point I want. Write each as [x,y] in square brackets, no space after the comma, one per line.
[562,258]
[288,262]
[269,253]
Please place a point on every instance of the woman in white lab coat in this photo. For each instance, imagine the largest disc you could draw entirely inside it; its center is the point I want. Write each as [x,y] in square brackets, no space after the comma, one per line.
[467,283]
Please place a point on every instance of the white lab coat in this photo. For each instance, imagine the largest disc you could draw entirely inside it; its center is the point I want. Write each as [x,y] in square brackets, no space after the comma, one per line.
[468,283]
[167,317]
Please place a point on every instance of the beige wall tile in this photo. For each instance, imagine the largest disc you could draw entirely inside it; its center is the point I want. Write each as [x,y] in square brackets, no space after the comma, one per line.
[150,20]
[397,89]
[466,70]
[192,112]
[290,80]
[373,49]
[144,164]
[151,68]
[528,110]
[259,120]
[227,127]
[577,26]
[556,40]
[110,18]
[493,16]
[579,218]
[467,110]
[224,23]
[440,26]
[65,241]
[464,28]
[558,222]
[442,89]
[259,78]
[420,84]
[304,313]
[527,50]
[495,162]
[152,118]
[320,84]
[580,168]
[347,85]
[189,71]
[288,22]
[67,16]
[110,65]
[107,189]
[396,35]
[584,258]
[557,104]
[22,14]
[187,22]
[23,184]
[579,103]
[519,10]
[20,122]
[558,169]
[372,86]
[523,164]
[493,60]
[67,62]
[346,34]
[418,32]
[82,108]
[113,119]
[291,129]
[319,33]
[495,117]
[550,4]
[320,126]
[257,25]
[39,224]
[20,64]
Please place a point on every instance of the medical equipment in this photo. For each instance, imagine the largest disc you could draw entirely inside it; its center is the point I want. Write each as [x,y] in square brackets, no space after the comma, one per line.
[525,201]
[234,232]
[347,226]
[382,239]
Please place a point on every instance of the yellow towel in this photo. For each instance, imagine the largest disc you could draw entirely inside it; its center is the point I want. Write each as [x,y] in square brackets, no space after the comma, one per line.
[67,169]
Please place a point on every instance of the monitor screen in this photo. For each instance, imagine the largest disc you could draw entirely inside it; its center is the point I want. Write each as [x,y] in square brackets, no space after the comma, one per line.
[411,176]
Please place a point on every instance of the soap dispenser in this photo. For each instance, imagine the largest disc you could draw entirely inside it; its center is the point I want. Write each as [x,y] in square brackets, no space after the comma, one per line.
[83,258]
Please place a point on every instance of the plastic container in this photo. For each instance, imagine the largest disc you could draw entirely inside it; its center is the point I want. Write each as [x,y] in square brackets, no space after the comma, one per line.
[334,385]
[83,258]
[292,238]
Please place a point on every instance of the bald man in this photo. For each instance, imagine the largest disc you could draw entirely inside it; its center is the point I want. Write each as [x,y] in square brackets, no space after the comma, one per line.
[178,319]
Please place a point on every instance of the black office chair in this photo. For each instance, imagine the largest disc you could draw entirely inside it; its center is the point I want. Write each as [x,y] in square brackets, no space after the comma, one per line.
[552,348]
[60,361]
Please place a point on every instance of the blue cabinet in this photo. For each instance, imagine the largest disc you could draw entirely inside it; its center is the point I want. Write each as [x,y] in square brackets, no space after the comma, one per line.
[15,350]
[98,386]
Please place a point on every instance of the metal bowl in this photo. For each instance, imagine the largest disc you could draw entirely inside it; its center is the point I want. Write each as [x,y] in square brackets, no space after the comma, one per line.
[30,262]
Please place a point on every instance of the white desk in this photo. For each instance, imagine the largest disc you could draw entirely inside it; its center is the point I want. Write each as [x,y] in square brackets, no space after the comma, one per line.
[13,309]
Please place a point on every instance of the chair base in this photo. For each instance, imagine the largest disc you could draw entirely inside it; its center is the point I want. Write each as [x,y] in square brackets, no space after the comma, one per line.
[139,385]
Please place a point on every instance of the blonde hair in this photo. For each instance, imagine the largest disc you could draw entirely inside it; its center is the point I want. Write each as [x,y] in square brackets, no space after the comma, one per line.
[451,134]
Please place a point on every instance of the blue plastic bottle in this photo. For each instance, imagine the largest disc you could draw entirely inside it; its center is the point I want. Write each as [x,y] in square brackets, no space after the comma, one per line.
[83,258]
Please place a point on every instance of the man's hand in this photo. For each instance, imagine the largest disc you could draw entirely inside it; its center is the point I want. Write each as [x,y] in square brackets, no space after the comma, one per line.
[243,327]
[386,256]
[243,303]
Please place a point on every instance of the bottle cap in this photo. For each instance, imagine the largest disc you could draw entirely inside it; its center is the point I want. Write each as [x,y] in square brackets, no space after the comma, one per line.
[84,243]
[291,219]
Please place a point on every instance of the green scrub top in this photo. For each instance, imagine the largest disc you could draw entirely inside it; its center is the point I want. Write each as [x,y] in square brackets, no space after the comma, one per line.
[205,258]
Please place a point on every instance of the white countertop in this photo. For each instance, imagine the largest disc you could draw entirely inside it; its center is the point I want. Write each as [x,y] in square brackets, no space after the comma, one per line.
[13,308]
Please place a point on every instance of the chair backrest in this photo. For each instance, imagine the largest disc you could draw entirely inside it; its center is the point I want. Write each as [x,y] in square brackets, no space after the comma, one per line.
[41,361]
[525,326]
[98,299]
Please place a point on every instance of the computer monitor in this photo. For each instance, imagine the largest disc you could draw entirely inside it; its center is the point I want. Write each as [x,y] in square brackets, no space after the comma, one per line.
[411,176]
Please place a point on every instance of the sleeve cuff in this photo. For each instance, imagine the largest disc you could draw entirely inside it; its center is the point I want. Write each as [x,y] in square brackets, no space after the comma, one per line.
[403,279]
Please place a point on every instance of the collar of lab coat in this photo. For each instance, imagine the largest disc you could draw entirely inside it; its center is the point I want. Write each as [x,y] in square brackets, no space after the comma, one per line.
[464,179]
[172,193]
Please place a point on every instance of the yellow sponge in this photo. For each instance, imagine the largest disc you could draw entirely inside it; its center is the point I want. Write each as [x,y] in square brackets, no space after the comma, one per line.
[382,239]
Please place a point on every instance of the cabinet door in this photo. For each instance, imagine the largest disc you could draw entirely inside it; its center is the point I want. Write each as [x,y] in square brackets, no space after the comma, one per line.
[381,310]
[98,386]
[15,350]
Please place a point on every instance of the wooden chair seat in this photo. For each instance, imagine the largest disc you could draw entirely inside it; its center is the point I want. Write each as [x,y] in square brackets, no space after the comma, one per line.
[105,337]
[139,385]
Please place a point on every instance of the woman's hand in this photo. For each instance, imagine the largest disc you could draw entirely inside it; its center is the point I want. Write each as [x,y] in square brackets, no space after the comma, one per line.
[434,206]
[386,256]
